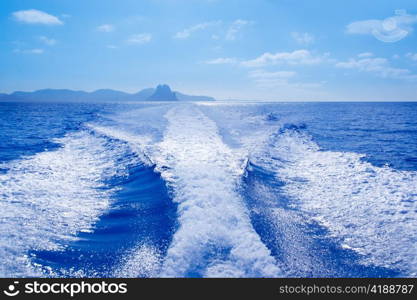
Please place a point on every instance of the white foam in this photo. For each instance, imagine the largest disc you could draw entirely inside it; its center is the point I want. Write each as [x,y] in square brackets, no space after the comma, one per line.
[142,261]
[46,199]
[137,143]
[215,237]
[373,210]
[140,128]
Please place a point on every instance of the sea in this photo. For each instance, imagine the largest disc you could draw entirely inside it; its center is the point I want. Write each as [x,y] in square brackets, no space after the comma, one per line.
[208,189]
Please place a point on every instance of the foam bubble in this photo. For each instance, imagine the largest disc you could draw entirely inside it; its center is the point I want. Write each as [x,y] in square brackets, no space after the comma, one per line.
[46,199]
[372,210]
[138,143]
[142,261]
[215,237]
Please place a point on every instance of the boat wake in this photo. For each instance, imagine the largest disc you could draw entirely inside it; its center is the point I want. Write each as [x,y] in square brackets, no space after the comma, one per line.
[204,190]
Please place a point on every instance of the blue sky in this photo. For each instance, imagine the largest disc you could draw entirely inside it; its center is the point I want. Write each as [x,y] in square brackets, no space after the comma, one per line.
[240,49]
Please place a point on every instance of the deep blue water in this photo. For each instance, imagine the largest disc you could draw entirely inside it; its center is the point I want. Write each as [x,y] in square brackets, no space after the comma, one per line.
[208,189]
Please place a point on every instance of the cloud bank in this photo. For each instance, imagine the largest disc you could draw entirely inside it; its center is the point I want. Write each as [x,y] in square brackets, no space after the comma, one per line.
[34,16]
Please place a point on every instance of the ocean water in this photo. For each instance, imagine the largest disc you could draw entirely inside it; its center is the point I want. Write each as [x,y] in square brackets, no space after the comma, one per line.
[215,189]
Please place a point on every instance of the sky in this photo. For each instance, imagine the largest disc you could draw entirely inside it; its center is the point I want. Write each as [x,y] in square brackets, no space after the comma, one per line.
[283,50]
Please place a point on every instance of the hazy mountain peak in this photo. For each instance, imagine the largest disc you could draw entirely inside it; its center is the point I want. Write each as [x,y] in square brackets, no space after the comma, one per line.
[163,93]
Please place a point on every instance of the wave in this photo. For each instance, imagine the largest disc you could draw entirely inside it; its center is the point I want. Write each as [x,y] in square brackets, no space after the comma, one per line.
[202,190]
[202,155]
[48,198]
[215,237]
[370,210]
[138,221]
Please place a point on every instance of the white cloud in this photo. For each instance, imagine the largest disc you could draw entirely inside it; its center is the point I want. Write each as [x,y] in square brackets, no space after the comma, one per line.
[297,57]
[105,28]
[47,41]
[186,33]
[262,74]
[33,16]
[363,27]
[141,38]
[234,29]
[267,79]
[30,51]
[36,51]
[303,38]
[378,66]
[365,54]
[230,33]
[412,56]
[269,83]
[222,61]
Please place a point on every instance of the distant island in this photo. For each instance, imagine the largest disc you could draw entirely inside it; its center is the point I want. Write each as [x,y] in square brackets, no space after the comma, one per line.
[161,93]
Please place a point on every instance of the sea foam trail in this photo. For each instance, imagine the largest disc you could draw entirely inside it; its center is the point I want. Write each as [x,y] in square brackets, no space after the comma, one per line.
[372,210]
[215,237]
[47,198]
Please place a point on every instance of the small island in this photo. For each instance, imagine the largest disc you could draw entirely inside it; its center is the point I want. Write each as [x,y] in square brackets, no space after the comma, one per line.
[161,93]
